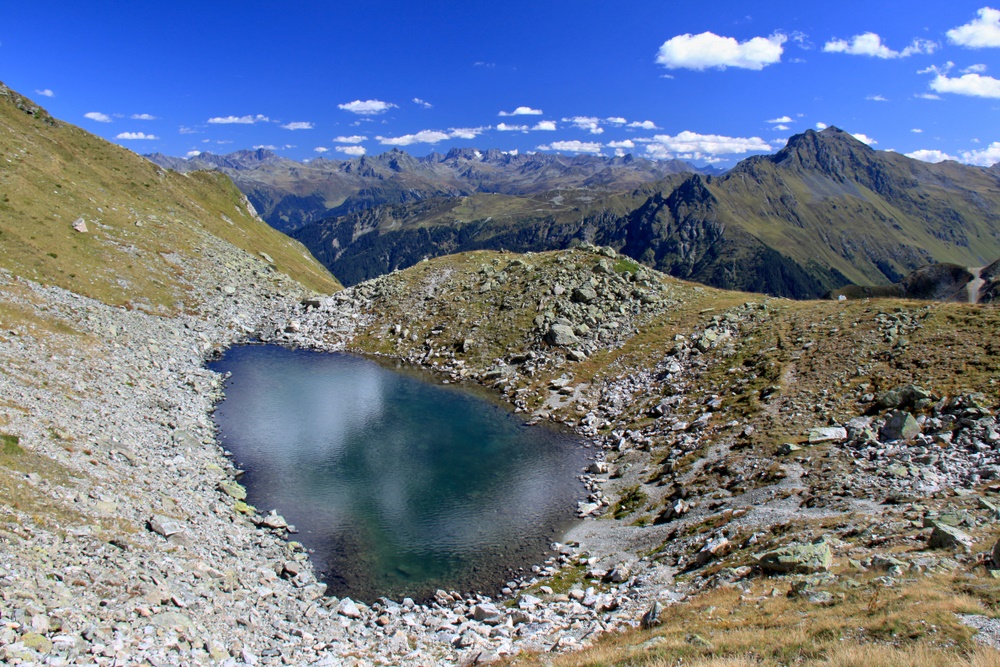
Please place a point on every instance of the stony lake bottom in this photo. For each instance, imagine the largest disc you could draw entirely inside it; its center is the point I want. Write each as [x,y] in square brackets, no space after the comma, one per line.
[397,485]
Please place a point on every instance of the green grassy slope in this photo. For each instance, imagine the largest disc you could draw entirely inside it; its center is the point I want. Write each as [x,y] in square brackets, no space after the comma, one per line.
[871,215]
[142,221]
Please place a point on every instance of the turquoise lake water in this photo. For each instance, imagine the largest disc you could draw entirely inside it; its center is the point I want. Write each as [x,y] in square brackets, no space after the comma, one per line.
[398,485]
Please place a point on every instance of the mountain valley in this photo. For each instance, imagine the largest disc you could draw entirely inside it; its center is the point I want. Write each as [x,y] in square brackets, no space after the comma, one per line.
[822,213]
[774,481]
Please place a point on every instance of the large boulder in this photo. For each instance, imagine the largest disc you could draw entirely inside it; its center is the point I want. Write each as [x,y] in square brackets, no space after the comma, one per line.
[798,559]
[585,293]
[899,426]
[561,335]
[827,434]
[948,537]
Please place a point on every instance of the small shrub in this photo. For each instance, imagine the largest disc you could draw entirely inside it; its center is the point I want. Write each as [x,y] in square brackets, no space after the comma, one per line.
[631,500]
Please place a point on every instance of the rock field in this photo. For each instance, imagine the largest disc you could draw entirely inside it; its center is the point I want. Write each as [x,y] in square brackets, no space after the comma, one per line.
[128,540]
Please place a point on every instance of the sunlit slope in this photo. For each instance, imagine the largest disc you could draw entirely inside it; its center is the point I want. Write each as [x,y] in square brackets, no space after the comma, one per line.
[823,212]
[827,199]
[145,226]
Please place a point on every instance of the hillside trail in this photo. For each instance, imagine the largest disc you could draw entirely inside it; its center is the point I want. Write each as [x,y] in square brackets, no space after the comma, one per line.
[975,284]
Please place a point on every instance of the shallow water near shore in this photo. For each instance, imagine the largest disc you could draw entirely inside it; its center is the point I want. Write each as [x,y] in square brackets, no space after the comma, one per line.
[398,485]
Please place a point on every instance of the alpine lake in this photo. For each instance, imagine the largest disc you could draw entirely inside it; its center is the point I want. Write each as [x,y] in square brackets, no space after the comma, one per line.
[397,484]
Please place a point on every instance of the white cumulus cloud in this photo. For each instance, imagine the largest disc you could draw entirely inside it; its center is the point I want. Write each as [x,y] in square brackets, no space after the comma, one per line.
[781,128]
[466,132]
[298,125]
[574,146]
[877,98]
[821,126]
[366,107]
[504,127]
[98,116]
[864,138]
[587,123]
[693,146]
[422,137]
[522,111]
[870,44]
[45,92]
[782,120]
[985,157]
[916,130]
[143,116]
[354,151]
[239,120]
[980,33]
[977,69]
[193,154]
[616,120]
[545,125]
[353,139]
[707,50]
[321,149]
[925,155]
[628,143]
[973,85]
[432,136]
[644,125]
[135,135]
[422,103]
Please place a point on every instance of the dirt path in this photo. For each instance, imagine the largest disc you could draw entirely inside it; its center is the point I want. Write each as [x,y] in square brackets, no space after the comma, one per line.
[975,284]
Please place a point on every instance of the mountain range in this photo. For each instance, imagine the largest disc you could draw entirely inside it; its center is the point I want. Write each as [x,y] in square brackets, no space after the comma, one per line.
[824,212]
[289,194]
[745,447]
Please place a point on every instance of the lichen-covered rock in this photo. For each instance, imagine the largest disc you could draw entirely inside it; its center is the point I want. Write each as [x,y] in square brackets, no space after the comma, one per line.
[948,537]
[798,559]
[233,489]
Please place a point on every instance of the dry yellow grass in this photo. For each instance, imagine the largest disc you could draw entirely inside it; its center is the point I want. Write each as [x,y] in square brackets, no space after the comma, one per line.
[914,624]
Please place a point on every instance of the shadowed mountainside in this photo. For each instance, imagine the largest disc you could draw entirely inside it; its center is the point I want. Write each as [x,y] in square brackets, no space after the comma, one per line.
[823,212]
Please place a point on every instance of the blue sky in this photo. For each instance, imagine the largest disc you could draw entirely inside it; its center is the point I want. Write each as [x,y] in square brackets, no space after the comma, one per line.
[708,82]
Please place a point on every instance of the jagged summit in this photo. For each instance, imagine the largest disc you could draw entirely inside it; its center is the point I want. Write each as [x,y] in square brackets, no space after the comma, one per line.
[289,194]
[825,211]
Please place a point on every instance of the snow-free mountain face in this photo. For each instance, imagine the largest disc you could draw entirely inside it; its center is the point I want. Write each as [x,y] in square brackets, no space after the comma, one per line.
[289,194]
[823,212]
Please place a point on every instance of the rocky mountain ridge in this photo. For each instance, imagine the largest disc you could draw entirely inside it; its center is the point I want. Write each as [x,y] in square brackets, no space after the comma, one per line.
[823,212]
[290,194]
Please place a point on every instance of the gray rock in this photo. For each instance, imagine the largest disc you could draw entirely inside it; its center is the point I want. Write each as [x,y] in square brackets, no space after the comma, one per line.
[487,613]
[827,434]
[585,293]
[620,574]
[948,537]
[652,617]
[798,558]
[347,607]
[165,526]
[561,335]
[275,521]
[900,426]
